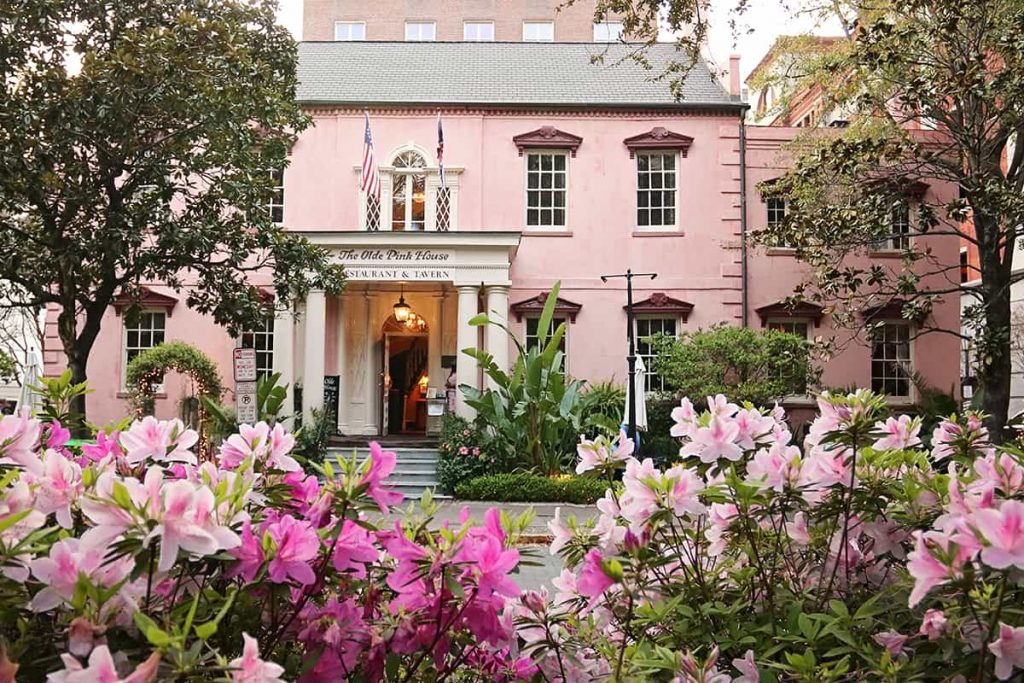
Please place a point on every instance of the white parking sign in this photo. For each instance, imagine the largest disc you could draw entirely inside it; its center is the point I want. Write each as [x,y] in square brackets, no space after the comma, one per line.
[245,365]
[245,402]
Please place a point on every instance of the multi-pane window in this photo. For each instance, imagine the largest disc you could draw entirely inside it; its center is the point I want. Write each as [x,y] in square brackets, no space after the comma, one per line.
[608,32]
[350,30]
[533,327]
[797,328]
[890,359]
[372,213]
[143,331]
[408,193]
[443,209]
[261,338]
[545,189]
[898,237]
[538,31]
[276,205]
[478,31]
[776,207]
[656,190]
[419,30]
[645,329]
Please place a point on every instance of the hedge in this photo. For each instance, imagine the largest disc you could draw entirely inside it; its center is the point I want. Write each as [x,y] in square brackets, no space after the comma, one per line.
[531,488]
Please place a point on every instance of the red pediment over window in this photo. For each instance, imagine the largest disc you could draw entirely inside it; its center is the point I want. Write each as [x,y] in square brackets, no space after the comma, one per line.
[660,303]
[890,310]
[147,298]
[266,294]
[658,138]
[534,306]
[802,309]
[897,185]
[547,137]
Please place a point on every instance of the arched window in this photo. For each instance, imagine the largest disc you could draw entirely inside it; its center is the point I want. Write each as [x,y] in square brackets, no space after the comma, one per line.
[409,193]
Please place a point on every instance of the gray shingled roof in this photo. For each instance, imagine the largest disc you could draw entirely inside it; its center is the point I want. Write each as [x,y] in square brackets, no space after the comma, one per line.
[511,74]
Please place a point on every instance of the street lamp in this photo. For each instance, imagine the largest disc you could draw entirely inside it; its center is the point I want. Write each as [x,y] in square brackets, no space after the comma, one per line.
[631,358]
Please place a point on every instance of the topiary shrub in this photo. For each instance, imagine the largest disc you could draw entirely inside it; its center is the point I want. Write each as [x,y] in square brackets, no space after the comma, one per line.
[518,487]
[464,452]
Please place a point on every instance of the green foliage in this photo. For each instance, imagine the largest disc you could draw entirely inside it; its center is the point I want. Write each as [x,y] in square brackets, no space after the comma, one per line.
[58,394]
[519,487]
[8,367]
[743,363]
[601,407]
[464,452]
[534,413]
[147,369]
[312,439]
[222,419]
[148,162]
[656,443]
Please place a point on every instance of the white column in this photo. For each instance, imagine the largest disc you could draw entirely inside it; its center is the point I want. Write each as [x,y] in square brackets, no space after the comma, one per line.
[343,388]
[466,337]
[495,338]
[313,354]
[284,357]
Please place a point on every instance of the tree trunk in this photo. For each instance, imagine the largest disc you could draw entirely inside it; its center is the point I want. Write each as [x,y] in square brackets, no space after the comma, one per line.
[995,363]
[77,347]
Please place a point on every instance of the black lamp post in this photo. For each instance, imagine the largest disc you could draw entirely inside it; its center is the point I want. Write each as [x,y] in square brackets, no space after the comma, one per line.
[631,358]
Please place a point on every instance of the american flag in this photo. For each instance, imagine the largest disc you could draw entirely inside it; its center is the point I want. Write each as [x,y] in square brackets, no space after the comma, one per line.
[440,149]
[371,174]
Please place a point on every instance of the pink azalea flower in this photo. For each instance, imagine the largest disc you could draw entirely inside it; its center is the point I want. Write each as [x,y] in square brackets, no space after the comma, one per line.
[249,668]
[593,581]
[249,554]
[405,579]
[684,417]
[487,565]
[684,487]
[382,464]
[60,571]
[640,498]
[933,624]
[463,450]
[747,668]
[296,545]
[898,434]
[565,587]
[776,467]
[57,435]
[59,484]
[104,446]
[891,641]
[266,445]
[797,529]
[719,406]
[101,669]
[1002,473]
[927,570]
[561,534]
[19,435]
[715,441]
[158,440]
[1009,650]
[595,454]
[1003,529]
[354,550]
[16,499]
[185,523]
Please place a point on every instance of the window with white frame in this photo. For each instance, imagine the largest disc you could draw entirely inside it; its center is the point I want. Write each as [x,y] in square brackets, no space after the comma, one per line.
[411,197]
[142,331]
[899,227]
[533,328]
[608,32]
[478,31]
[646,328]
[891,366]
[656,190]
[546,189]
[276,205]
[538,31]
[261,338]
[775,208]
[408,193]
[419,30]
[349,30]
[798,327]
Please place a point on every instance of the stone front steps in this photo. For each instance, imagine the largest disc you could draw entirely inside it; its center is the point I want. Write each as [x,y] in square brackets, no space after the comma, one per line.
[415,471]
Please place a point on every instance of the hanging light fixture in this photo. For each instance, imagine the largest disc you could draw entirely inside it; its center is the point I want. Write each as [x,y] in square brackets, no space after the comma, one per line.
[402,310]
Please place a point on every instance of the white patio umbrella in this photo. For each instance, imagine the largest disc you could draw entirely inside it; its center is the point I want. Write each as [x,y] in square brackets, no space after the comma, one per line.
[33,371]
[640,373]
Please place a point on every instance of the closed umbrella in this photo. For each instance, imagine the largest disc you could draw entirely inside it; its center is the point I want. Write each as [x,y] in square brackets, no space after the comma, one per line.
[33,371]
[640,374]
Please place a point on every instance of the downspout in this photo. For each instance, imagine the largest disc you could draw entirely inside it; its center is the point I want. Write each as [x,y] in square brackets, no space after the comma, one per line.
[744,294]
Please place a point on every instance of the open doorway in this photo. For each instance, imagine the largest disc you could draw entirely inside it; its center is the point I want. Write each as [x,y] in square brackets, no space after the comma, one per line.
[405,379]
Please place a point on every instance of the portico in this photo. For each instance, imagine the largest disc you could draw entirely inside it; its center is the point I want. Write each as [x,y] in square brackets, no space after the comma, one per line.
[385,367]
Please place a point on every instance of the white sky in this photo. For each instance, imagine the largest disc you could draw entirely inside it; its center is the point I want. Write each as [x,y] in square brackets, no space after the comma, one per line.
[758,27]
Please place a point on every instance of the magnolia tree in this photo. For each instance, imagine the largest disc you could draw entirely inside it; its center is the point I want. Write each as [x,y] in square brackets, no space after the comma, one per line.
[863,555]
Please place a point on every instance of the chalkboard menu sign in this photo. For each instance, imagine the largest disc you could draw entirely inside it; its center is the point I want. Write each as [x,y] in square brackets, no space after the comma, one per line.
[332,391]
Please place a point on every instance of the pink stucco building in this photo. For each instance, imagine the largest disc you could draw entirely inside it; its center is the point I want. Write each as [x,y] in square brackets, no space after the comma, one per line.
[556,168]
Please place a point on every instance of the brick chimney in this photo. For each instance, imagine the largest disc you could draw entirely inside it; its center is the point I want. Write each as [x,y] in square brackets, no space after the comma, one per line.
[734,75]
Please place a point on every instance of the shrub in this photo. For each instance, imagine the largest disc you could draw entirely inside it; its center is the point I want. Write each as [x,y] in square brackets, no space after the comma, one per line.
[519,487]
[601,407]
[312,439]
[760,366]
[463,452]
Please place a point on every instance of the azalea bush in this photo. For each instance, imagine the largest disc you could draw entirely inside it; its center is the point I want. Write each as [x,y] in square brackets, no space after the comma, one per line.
[859,557]
[463,452]
[132,561]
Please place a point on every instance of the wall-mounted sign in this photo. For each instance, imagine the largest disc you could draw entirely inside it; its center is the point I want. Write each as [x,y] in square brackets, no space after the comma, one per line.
[245,403]
[396,264]
[245,365]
